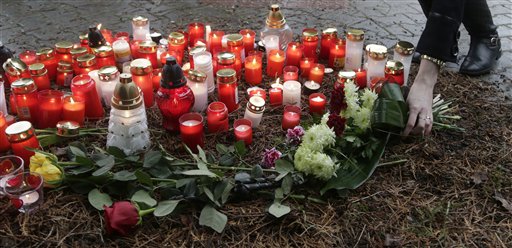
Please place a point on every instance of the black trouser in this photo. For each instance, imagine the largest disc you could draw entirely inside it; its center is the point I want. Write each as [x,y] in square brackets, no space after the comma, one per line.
[444,17]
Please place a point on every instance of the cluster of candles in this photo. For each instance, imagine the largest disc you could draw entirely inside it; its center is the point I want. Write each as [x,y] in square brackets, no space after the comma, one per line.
[217,61]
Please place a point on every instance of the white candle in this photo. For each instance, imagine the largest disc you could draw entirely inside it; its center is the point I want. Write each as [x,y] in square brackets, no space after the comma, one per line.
[203,63]
[254,110]
[208,29]
[122,51]
[3,104]
[94,76]
[354,49]
[196,82]
[376,62]
[403,53]
[271,43]
[29,198]
[291,93]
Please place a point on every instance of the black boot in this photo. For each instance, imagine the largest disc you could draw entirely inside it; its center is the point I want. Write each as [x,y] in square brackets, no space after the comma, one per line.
[485,47]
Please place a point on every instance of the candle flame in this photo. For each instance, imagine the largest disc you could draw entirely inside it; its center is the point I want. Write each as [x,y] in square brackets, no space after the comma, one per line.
[248,35]
[254,61]
[99,26]
[71,100]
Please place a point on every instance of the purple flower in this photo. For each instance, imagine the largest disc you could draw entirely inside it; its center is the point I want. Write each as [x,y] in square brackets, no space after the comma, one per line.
[270,157]
[293,135]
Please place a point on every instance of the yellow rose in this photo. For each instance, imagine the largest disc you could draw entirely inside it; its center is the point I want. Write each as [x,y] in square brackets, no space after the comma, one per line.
[44,165]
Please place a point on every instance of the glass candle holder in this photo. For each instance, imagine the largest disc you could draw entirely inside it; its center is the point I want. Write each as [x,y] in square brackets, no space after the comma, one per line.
[361,78]
[28,57]
[140,28]
[276,25]
[85,87]
[86,64]
[64,74]
[291,93]
[377,55]
[291,117]
[73,109]
[275,63]
[290,72]
[253,70]
[310,42]
[104,56]
[394,72]
[203,63]
[191,130]
[228,88]
[235,45]
[50,108]
[196,32]
[294,53]
[243,130]
[25,191]
[225,60]
[317,73]
[196,82]
[403,53]
[254,110]
[122,51]
[147,50]
[177,43]
[25,99]
[337,55]
[215,40]
[63,51]
[157,76]
[47,57]
[15,69]
[248,39]
[256,91]
[217,117]
[75,53]
[329,36]
[271,43]
[10,165]
[40,76]
[354,49]
[22,135]
[317,103]
[4,142]
[141,71]
[276,96]
[108,79]
[305,66]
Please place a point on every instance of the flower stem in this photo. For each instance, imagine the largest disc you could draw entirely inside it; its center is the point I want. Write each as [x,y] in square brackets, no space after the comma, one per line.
[146,212]
[239,168]
[164,180]
[401,161]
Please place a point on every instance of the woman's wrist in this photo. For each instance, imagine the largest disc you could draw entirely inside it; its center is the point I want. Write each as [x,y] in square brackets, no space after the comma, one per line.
[427,73]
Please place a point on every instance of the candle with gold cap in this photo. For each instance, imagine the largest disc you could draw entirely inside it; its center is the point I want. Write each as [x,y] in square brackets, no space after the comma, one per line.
[141,71]
[25,98]
[104,56]
[15,69]
[403,53]
[354,49]
[147,50]
[140,28]
[39,74]
[63,51]
[310,42]
[276,25]
[47,57]
[22,135]
[329,35]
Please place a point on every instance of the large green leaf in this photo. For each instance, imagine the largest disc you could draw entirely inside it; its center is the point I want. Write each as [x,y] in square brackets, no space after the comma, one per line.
[166,207]
[199,173]
[390,109]
[142,196]
[277,209]
[98,199]
[151,158]
[212,218]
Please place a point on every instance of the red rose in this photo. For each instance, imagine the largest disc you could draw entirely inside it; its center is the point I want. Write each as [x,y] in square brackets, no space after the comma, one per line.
[122,218]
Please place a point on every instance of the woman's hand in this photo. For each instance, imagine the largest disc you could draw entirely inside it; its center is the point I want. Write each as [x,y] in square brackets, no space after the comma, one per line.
[420,100]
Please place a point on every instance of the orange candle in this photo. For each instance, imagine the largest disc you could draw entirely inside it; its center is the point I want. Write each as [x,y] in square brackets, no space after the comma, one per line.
[275,63]
[248,38]
[317,73]
[337,55]
[253,70]
[305,66]
[74,109]
[294,53]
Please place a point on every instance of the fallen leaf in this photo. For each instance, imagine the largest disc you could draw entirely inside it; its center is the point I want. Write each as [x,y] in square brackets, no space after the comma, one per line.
[503,201]
[479,177]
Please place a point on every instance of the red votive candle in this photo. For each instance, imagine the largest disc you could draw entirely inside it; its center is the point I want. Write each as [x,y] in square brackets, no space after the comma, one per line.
[337,55]
[84,87]
[39,74]
[217,117]
[243,130]
[63,51]
[253,70]
[50,108]
[361,78]
[177,44]
[394,72]
[134,48]
[47,57]
[276,96]
[305,66]
[75,54]
[73,109]
[215,40]
[196,31]
[228,88]
[4,142]
[64,74]
[290,72]
[329,35]
[317,73]
[248,38]
[275,63]
[147,50]
[191,129]
[86,64]
[22,135]
[310,42]
[25,98]
[157,76]
[142,71]
[28,57]
[257,91]
[104,56]
[317,103]
[294,53]
[291,117]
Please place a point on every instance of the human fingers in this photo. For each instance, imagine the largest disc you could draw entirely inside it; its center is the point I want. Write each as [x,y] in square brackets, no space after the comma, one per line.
[419,128]
[411,122]
[428,124]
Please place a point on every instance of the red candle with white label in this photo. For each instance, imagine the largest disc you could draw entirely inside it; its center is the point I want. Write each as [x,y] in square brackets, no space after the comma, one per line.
[191,130]
[337,55]
[317,73]
[361,78]
[50,108]
[28,57]
[290,72]
[291,117]
[217,117]
[73,109]
[228,88]
[25,98]
[294,53]
[84,86]
[257,91]
[317,103]
[248,38]
[253,70]
[275,63]
[196,32]
[243,130]
[305,66]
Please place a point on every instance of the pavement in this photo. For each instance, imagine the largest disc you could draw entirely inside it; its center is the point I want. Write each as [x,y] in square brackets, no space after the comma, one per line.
[32,24]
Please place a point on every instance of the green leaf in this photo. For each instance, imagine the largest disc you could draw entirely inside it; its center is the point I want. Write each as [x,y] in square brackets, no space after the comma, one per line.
[277,209]
[48,140]
[222,149]
[160,171]
[103,170]
[227,159]
[182,182]
[283,166]
[98,199]
[256,172]
[210,196]
[199,173]
[118,153]
[77,152]
[152,158]
[103,159]
[79,170]
[223,190]
[212,218]
[132,158]
[165,207]
[278,194]
[240,148]
[202,155]
[84,161]
[142,196]
[287,184]
[124,176]
[144,178]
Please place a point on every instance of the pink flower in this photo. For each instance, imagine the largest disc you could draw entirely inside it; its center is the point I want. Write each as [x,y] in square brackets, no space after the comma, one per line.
[270,157]
[293,135]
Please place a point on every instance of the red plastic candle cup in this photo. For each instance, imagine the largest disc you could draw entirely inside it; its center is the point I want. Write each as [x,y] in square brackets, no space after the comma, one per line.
[63,51]
[47,57]
[217,117]
[22,135]
[329,35]
[142,71]
[243,130]
[64,74]
[256,91]
[394,72]
[294,53]
[4,142]
[147,50]
[86,64]
[50,108]
[310,42]
[317,73]
[196,31]
[361,78]
[276,96]
[39,74]
[317,103]
[228,88]
[104,56]
[122,36]
[291,117]
[84,87]
[28,57]
[157,76]
[256,53]
[248,38]
[75,54]
[215,40]
[275,63]
[73,109]
[191,129]
[134,48]
[337,55]
[305,66]
[25,98]
[290,72]
[176,43]
[253,70]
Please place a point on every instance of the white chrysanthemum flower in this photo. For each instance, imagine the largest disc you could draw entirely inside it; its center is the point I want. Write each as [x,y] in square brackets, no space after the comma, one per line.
[368,98]
[362,119]
[318,137]
[314,163]
[325,118]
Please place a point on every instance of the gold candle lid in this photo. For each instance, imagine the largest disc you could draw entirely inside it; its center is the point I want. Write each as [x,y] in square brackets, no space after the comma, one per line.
[78,51]
[377,52]
[226,58]
[64,66]
[196,76]
[404,48]
[68,128]
[256,104]
[23,86]
[127,95]
[310,34]
[196,49]
[226,76]
[103,51]
[355,34]
[394,67]
[37,69]
[45,53]
[176,38]
[86,60]
[63,46]
[275,18]
[107,73]
[147,47]
[234,39]
[330,32]
[19,131]
[346,76]
[14,66]
[141,67]
[140,21]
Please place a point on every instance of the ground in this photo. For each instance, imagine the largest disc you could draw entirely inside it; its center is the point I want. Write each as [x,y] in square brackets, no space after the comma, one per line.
[451,192]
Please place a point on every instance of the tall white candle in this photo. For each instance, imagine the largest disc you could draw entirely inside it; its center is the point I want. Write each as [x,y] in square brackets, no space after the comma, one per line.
[122,51]
[354,49]
[3,104]
[196,82]
[140,27]
[377,57]
[271,43]
[254,110]
[203,63]
[291,93]
[403,53]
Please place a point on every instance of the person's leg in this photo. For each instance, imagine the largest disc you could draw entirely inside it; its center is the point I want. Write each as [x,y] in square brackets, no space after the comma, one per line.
[485,46]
